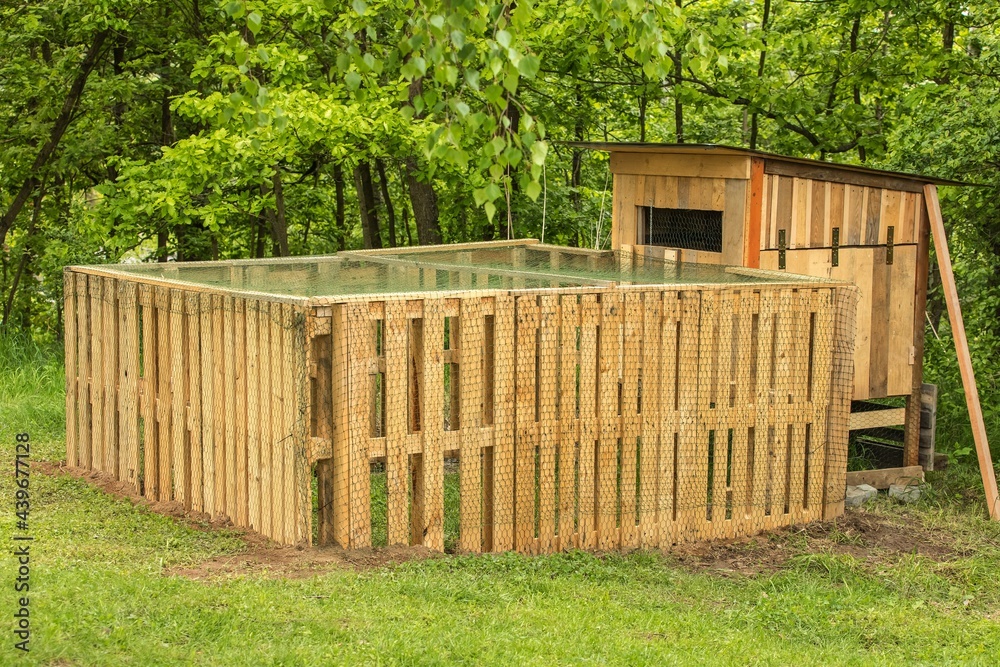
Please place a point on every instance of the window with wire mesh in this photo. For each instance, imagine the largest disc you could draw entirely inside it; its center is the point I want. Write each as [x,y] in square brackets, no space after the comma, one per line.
[686,228]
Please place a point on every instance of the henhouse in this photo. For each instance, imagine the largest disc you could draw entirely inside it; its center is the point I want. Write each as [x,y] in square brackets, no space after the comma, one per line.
[504,395]
[720,205]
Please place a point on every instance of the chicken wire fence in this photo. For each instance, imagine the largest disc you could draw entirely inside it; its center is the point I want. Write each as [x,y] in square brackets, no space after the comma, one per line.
[470,400]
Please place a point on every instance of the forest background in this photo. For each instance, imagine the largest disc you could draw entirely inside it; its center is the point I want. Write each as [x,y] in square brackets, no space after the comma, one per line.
[187,129]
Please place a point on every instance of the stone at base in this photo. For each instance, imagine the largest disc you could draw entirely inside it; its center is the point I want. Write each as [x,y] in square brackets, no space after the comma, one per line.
[905,493]
[859,495]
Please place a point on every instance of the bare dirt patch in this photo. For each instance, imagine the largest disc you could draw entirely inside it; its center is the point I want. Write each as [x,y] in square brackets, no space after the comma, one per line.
[870,538]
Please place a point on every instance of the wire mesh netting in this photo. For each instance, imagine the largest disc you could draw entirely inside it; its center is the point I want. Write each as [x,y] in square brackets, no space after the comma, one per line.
[569,400]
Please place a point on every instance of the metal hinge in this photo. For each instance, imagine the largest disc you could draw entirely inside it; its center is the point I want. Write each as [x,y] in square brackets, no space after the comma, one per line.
[781,249]
[835,253]
[888,244]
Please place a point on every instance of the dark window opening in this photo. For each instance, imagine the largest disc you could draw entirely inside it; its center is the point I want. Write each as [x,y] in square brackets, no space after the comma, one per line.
[685,228]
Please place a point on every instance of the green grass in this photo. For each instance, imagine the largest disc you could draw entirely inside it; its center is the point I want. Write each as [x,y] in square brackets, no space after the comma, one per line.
[102,592]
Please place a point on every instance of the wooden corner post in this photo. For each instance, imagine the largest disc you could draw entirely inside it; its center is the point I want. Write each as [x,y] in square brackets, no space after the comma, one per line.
[962,349]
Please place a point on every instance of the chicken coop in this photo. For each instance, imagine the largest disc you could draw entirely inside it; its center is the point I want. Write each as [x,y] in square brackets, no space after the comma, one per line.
[491,396]
[720,205]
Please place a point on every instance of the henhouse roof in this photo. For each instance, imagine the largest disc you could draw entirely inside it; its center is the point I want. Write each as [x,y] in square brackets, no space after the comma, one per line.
[718,149]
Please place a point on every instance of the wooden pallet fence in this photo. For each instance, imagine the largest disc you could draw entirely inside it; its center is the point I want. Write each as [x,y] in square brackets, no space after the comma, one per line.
[192,397]
[614,418]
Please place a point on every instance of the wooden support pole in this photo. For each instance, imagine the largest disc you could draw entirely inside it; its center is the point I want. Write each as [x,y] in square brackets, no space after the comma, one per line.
[962,349]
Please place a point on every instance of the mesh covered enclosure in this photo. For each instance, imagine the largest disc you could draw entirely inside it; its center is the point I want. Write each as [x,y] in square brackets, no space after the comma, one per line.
[475,398]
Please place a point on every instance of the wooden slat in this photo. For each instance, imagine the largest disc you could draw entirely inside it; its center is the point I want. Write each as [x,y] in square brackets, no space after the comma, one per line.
[818,214]
[851,234]
[293,373]
[471,350]
[161,298]
[360,356]
[902,292]
[649,481]
[609,374]
[208,354]
[396,350]
[962,349]
[872,215]
[798,235]
[192,308]
[150,436]
[548,378]
[527,423]
[128,383]
[698,166]
[229,406]
[218,403]
[241,363]
[301,414]
[669,402]
[631,424]
[568,426]
[504,424]
[254,416]
[83,392]
[69,330]
[433,454]
[878,358]
[180,453]
[756,198]
[279,426]
[96,331]
[690,470]
[884,477]
[590,317]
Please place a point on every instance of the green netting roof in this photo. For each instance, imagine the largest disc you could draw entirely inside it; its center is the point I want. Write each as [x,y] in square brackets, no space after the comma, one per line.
[467,267]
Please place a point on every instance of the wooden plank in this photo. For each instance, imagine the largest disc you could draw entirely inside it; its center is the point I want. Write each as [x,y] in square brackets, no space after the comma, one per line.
[902,292]
[268,523]
[229,406]
[911,442]
[180,453]
[128,382]
[293,373]
[798,236]
[69,344]
[340,387]
[192,308]
[471,346]
[150,440]
[609,375]
[83,375]
[527,422]
[702,455]
[590,317]
[669,368]
[631,427]
[820,394]
[280,428]
[697,166]
[548,424]
[97,421]
[878,359]
[649,481]
[877,418]
[723,397]
[836,213]
[208,353]
[872,216]
[691,471]
[762,439]
[733,221]
[745,401]
[783,210]
[568,429]
[433,453]
[218,403]
[857,265]
[755,210]
[240,365]
[396,347]
[885,477]
[840,174]
[503,424]
[161,298]
[891,216]
[818,217]
[835,458]
[851,234]
[962,350]
[301,414]
[254,407]
[110,356]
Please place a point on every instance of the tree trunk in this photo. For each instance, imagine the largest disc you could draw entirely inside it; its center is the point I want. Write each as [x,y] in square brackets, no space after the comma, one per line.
[383,184]
[279,226]
[25,258]
[59,127]
[368,205]
[760,70]
[338,184]
[425,208]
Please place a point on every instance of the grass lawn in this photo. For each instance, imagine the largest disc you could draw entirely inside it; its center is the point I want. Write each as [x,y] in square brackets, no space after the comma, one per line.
[114,583]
